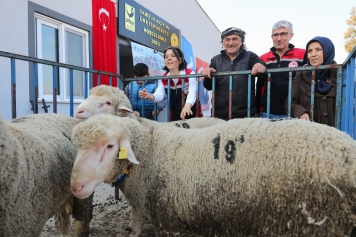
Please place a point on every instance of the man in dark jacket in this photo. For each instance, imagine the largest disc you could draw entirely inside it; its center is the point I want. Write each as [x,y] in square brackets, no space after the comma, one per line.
[282,54]
[234,57]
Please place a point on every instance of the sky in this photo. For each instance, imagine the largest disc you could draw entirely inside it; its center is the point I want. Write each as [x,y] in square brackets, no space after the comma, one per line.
[310,18]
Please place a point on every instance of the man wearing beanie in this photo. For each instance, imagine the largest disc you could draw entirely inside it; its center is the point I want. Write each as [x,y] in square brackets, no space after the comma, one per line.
[234,57]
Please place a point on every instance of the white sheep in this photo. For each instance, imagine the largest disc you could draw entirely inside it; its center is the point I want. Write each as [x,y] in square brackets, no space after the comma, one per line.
[111,100]
[105,99]
[244,177]
[36,160]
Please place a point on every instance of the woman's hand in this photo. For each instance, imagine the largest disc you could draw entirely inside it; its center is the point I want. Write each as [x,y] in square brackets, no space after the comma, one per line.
[146,95]
[186,110]
[305,116]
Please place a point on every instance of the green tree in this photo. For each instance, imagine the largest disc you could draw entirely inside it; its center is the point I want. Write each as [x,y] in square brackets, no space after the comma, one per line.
[350,35]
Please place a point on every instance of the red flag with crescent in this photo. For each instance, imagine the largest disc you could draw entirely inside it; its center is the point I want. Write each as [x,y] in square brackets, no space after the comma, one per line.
[104,40]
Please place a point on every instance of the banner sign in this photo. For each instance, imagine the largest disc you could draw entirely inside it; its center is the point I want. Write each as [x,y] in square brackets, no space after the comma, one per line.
[187,50]
[143,26]
[104,39]
[203,93]
[151,57]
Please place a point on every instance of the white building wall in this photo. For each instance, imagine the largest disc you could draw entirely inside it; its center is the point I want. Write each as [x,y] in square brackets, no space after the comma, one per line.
[195,25]
[13,38]
[76,9]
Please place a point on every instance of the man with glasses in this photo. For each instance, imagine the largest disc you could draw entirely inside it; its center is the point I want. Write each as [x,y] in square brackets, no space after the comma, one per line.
[234,57]
[282,54]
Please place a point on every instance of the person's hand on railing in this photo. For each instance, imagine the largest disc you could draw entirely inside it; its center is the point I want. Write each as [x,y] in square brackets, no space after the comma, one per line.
[146,95]
[258,68]
[153,112]
[305,116]
[206,72]
[186,110]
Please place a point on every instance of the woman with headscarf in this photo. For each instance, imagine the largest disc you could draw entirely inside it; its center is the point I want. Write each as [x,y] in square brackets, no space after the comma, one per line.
[320,51]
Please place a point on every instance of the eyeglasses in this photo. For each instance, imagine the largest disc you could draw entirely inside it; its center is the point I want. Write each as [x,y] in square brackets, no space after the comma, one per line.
[282,34]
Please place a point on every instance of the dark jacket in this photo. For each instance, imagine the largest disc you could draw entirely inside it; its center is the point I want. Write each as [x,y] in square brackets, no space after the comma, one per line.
[222,63]
[177,104]
[279,80]
[324,105]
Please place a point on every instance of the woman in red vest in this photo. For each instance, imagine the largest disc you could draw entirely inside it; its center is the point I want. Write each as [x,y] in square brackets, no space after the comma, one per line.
[176,65]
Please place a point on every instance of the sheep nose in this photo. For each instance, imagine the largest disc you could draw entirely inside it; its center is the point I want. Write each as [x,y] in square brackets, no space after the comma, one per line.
[76,191]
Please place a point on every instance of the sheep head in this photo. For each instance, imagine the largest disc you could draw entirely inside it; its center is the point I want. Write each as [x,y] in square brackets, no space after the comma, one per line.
[99,140]
[105,100]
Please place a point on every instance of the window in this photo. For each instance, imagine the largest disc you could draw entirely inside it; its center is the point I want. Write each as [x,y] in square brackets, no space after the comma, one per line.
[60,42]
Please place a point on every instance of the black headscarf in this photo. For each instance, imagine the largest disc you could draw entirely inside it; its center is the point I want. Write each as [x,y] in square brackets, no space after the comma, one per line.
[323,87]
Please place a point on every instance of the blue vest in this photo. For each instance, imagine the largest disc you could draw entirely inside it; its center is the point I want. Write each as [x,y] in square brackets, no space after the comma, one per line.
[137,102]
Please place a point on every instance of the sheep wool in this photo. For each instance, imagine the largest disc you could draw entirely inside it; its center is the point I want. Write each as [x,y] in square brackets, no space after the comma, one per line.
[186,123]
[243,177]
[36,160]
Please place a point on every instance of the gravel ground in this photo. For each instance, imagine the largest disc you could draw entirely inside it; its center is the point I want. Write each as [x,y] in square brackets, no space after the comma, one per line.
[110,217]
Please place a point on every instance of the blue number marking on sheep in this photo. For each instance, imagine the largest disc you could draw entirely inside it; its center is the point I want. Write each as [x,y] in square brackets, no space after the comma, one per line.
[242,139]
[216,142]
[230,150]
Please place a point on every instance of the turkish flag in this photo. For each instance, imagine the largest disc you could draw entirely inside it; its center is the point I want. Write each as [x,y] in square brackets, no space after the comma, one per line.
[104,40]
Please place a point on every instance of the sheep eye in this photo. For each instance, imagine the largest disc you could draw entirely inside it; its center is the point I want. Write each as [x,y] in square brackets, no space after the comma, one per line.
[109,103]
[110,146]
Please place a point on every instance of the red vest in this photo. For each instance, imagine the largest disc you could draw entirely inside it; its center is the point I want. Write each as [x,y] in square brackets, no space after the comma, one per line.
[176,97]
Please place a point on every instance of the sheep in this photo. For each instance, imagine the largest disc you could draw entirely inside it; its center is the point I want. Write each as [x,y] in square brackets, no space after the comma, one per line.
[244,177]
[105,99]
[111,100]
[36,160]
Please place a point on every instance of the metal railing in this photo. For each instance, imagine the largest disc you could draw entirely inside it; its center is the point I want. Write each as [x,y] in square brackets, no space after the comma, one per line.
[345,98]
[55,66]
[348,100]
[249,99]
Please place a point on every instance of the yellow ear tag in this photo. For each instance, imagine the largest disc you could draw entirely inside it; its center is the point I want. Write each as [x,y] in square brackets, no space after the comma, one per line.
[123,153]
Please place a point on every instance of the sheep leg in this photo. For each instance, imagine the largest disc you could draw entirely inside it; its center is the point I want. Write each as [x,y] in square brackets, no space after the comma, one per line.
[62,222]
[135,223]
[82,214]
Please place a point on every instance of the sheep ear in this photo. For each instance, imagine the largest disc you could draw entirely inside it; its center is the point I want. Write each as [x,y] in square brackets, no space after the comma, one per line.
[131,156]
[123,108]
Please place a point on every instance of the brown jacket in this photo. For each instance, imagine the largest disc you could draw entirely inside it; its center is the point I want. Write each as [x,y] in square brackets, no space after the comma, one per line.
[324,105]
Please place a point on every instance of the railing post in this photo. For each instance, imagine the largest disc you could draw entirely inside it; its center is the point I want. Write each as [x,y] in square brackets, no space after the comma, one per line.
[13,87]
[230,97]
[155,104]
[86,84]
[35,80]
[143,101]
[213,98]
[169,100]
[71,94]
[312,96]
[182,93]
[289,94]
[338,99]
[55,89]
[197,101]
[249,96]
[268,94]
